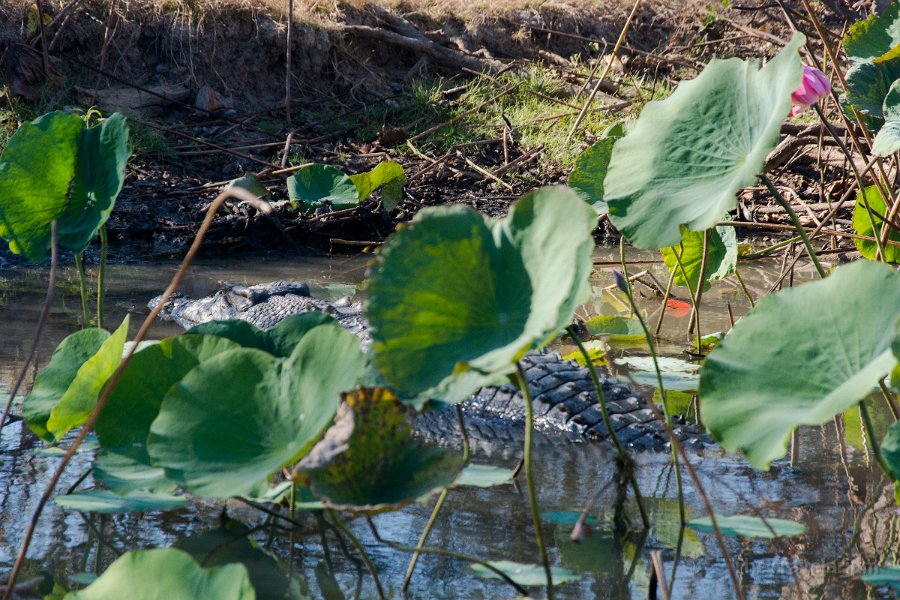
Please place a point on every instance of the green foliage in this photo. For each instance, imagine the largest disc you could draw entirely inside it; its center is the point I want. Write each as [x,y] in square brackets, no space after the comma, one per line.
[108,502]
[265,412]
[780,368]
[591,166]
[871,39]
[890,449]
[167,573]
[455,298]
[721,262]
[888,575]
[863,225]
[369,461]
[387,175]
[686,157]
[66,391]
[322,186]
[56,168]
[746,526]
[526,575]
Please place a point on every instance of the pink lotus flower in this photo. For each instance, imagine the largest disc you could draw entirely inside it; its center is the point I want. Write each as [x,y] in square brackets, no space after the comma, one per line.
[812,88]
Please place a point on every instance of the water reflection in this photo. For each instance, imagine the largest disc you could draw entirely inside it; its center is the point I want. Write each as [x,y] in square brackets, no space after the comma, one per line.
[845,504]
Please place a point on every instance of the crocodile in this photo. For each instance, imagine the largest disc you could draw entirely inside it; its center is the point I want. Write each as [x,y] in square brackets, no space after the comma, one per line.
[564,399]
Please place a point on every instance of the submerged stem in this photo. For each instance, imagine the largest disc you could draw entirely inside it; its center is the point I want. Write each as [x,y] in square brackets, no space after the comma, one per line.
[360,549]
[529,477]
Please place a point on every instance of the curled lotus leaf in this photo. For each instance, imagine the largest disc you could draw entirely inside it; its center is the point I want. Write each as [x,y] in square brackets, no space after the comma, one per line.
[455,298]
[686,157]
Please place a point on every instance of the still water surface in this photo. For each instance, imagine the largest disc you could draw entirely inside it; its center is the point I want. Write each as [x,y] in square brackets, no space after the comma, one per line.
[852,523]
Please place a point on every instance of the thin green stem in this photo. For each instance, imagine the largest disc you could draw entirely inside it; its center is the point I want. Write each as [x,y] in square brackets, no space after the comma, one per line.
[360,549]
[740,279]
[665,404]
[101,275]
[687,282]
[695,313]
[624,264]
[529,477]
[624,457]
[82,287]
[876,448]
[801,231]
[665,301]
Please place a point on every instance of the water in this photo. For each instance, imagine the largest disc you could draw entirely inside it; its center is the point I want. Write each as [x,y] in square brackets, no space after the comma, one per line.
[831,487]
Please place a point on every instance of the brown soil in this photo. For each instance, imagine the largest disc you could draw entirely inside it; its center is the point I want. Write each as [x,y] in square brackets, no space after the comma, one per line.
[352,56]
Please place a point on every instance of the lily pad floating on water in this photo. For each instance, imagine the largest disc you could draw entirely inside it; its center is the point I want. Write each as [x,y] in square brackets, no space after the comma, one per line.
[483,476]
[167,573]
[455,298]
[747,526]
[687,156]
[800,357]
[241,415]
[526,575]
[369,461]
[56,168]
[108,502]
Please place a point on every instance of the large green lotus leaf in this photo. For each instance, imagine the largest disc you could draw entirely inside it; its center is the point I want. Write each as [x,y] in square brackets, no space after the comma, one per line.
[322,186]
[369,461]
[279,341]
[747,526]
[231,543]
[124,470]
[109,502]
[36,170]
[887,140]
[80,398]
[168,574]
[722,261]
[388,174]
[526,575]
[103,153]
[874,37]
[863,225]
[239,416]
[868,85]
[455,298]
[890,449]
[591,166]
[53,381]
[799,358]
[687,156]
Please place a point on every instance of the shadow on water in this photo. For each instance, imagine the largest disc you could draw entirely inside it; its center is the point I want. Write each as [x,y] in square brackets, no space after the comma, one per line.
[832,488]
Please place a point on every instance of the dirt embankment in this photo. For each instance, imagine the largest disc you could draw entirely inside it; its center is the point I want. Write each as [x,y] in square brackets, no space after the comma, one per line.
[206,83]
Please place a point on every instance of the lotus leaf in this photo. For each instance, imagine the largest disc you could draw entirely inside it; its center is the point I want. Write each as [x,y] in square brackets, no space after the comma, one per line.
[872,38]
[863,226]
[483,476]
[687,156]
[369,461]
[889,575]
[55,168]
[388,174]
[322,186]
[827,343]
[167,573]
[526,575]
[239,416]
[890,449]
[54,379]
[746,526]
[868,85]
[722,260]
[108,502]
[279,341]
[591,166]
[455,298]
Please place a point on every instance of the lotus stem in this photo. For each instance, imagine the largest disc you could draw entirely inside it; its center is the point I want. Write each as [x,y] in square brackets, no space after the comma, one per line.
[529,477]
[665,404]
[665,300]
[361,550]
[101,275]
[624,457]
[740,279]
[82,287]
[687,282]
[628,288]
[801,231]
[42,320]
[701,282]
[876,447]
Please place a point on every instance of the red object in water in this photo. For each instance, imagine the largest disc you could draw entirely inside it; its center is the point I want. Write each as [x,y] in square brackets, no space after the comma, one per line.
[678,308]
